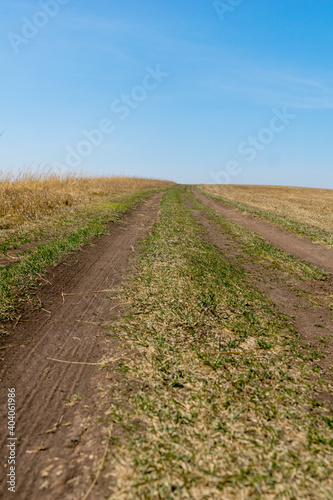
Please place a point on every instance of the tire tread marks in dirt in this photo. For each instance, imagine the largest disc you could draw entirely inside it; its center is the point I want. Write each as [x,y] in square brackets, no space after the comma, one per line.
[56,449]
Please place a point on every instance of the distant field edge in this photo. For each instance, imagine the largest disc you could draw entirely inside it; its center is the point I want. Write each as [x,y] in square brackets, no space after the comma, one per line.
[291,207]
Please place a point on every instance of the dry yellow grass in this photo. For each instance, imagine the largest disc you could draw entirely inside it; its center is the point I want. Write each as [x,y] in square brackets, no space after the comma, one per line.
[31,197]
[305,205]
[44,217]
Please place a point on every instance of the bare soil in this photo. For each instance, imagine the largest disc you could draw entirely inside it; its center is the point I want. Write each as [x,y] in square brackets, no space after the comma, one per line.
[51,358]
[300,247]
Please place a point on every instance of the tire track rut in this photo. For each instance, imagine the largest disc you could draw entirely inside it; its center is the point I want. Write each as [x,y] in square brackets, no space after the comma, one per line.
[300,247]
[67,328]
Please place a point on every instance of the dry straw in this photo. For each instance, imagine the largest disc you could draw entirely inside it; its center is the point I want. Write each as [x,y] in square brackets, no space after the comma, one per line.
[30,196]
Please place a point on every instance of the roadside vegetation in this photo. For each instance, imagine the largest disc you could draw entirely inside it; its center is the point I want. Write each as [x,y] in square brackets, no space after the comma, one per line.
[221,399]
[43,217]
[304,211]
[29,199]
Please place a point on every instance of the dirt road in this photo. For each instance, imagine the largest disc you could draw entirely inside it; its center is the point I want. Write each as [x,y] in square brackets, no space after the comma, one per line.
[52,355]
[307,302]
[51,358]
[302,248]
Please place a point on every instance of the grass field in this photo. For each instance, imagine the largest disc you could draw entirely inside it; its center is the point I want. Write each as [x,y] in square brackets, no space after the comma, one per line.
[216,381]
[305,211]
[44,217]
[223,404]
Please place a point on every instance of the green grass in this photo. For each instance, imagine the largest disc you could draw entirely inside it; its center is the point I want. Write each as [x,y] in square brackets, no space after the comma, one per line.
[313,232]
[222,401]
[48,245]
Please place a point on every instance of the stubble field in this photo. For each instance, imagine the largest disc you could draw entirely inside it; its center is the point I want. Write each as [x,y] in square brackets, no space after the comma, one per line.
[304,211]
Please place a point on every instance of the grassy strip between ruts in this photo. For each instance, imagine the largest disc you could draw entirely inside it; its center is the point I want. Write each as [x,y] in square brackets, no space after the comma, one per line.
[18,281]
[315,233]
[223,401]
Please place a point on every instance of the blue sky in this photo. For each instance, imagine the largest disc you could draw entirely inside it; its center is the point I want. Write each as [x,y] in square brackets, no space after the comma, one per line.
[225,73]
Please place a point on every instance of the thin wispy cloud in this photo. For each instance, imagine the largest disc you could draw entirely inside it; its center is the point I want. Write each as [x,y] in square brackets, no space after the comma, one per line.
[267,86]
